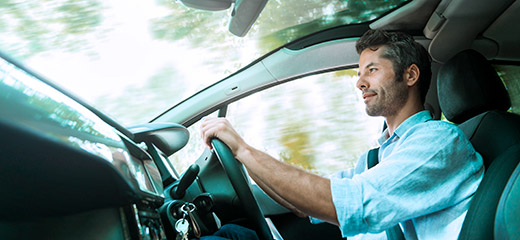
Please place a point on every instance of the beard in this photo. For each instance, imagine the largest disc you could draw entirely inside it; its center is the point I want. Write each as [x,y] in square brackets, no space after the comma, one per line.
[389,99]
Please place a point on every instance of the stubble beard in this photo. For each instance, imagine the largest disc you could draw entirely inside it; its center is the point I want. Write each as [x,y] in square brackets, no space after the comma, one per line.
[389,100]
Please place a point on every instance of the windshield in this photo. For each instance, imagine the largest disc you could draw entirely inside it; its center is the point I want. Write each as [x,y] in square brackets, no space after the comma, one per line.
[134,60]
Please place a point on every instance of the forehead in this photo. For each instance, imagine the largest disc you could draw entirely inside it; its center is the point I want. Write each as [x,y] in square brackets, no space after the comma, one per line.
[373,56]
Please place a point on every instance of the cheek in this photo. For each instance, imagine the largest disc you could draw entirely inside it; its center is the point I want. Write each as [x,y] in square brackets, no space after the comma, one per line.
[386,86]
[384,79]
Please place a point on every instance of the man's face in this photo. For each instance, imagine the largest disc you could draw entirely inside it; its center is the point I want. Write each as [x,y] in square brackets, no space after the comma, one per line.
[382,93]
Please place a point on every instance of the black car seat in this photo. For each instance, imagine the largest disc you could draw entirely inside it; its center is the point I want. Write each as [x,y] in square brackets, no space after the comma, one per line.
[472,95]
[507,224]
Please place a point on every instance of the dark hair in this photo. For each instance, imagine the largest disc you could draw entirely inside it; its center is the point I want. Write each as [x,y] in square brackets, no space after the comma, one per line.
[403,51]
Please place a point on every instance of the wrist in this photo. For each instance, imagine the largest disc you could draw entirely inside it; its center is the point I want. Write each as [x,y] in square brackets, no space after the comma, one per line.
[243,152]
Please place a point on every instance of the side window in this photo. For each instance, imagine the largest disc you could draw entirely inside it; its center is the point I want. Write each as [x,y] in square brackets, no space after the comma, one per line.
[316,122]
[510,75]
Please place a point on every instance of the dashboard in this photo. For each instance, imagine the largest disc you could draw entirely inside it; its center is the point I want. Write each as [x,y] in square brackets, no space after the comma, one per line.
[61,163]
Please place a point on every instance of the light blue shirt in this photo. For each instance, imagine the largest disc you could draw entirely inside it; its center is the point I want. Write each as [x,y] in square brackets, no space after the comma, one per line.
[427,175]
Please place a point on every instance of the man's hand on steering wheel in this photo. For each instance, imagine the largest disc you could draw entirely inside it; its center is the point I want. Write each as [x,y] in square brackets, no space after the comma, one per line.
[221,128]
[220,136]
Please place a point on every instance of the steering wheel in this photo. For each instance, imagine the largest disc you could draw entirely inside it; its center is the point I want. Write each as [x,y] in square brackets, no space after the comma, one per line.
[237,176]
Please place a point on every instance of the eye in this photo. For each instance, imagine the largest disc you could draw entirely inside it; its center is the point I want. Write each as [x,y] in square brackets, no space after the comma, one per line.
[372,70]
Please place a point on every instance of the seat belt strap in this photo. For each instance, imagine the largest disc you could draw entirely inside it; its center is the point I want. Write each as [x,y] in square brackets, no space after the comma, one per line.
[373,158]
[393,233]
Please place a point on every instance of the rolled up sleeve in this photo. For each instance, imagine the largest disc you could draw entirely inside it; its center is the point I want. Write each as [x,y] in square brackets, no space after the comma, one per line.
[347,196]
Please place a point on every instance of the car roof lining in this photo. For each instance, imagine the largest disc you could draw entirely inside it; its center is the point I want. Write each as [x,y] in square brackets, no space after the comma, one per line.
[507,41]
[451,18]
[462,25]
[407,17]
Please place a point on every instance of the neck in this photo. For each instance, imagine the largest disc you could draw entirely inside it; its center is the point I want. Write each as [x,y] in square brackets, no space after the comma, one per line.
[393,121]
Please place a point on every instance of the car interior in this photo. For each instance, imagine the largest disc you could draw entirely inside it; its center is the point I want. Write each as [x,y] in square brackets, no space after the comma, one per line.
[70,171]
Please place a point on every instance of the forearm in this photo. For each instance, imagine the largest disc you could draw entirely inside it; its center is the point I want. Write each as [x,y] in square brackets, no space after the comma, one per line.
[307,192]
[280,200]
[304,191]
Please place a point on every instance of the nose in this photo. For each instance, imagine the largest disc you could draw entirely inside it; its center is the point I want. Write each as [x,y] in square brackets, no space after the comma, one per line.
[362,83]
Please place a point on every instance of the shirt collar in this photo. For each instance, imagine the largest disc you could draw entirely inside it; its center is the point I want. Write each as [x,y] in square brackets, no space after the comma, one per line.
[419,117]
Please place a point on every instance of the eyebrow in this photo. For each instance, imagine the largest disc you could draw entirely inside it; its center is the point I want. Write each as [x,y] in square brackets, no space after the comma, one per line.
[367,66]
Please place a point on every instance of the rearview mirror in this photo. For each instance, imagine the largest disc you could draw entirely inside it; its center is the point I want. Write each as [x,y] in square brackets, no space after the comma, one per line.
[168,137]
[245,13]
[243,16]
[209,5]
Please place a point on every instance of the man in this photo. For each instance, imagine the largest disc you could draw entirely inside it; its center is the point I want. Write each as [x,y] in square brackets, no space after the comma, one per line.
[427,172]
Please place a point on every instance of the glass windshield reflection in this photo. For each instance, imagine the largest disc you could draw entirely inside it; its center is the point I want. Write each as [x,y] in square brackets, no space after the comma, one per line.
[27,101]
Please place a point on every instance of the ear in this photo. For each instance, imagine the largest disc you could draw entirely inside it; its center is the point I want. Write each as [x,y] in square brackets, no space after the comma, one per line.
[411,75]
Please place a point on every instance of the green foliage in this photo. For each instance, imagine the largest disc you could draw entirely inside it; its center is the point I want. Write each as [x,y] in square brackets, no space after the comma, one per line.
[140,102]
[297,146]
[510,75]
[32,27]
[331,15]
[197,27]
[295,137]
[279,23]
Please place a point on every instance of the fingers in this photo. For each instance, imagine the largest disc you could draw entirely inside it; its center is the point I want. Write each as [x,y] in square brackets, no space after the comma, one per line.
[206,133]
[212,127]
[221,128]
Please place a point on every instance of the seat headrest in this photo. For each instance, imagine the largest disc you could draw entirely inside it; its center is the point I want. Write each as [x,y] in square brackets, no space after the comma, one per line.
[468,85]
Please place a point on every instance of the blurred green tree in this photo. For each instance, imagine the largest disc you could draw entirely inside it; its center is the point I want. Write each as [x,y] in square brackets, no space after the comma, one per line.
[39,26]
[319,16]
[141,102]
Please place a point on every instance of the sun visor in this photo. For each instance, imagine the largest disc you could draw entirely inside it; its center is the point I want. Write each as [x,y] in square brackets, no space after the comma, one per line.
[459,24]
